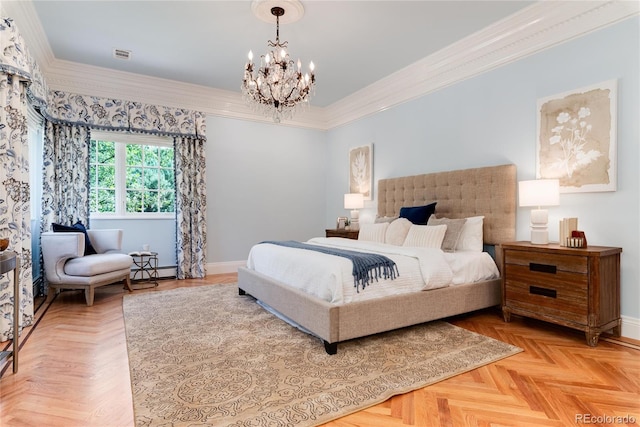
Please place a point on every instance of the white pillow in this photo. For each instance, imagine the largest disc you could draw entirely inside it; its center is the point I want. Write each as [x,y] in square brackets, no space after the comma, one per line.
[373,232]
[425,236]
[471,238]
[385,219]
[397,231]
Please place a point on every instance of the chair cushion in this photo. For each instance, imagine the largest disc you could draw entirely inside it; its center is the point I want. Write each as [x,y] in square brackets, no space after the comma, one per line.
[92,265]
[78,227]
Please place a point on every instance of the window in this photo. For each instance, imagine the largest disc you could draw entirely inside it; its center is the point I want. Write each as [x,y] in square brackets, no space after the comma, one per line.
[35,134]
[131,175]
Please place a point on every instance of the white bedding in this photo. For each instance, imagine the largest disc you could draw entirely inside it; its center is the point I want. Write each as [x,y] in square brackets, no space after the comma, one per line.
[330,277]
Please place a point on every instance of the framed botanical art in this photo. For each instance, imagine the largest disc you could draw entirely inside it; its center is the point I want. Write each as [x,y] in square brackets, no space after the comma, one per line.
[361,170]
[577,138]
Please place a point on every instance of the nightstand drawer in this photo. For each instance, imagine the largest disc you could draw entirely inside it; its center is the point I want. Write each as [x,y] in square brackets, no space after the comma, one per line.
[547,263]
[562,295]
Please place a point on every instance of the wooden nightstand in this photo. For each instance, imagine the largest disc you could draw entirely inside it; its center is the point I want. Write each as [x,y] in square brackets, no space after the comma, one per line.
[574,287]
[347,234]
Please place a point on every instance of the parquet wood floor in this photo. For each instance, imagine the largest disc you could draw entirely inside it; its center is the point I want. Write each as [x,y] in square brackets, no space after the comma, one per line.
[74,372]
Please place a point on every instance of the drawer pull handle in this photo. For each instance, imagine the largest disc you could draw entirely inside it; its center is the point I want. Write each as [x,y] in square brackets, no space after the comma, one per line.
[543,268]
[542,291]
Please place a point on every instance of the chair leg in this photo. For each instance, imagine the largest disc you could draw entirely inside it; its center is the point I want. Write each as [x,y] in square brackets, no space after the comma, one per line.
[88,295]
[127,282]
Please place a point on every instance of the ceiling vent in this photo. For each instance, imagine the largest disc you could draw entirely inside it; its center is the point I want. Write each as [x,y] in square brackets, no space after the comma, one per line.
[122,54]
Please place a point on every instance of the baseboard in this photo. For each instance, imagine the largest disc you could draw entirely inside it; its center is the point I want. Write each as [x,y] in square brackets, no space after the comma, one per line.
[225,267]
[630,327]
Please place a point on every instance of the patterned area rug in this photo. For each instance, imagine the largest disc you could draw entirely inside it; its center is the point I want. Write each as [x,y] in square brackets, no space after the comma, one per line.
[207,356]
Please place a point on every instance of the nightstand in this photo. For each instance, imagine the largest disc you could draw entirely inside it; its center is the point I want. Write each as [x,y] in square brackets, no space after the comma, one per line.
[347,234]
[574,287]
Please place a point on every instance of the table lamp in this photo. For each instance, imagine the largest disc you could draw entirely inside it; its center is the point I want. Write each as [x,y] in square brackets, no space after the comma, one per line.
[354,201]
[539,193]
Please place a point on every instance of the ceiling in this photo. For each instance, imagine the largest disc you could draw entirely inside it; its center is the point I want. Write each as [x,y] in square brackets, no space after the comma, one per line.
[352,43]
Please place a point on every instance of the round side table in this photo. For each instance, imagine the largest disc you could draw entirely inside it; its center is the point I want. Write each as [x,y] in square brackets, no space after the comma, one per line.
[145,273]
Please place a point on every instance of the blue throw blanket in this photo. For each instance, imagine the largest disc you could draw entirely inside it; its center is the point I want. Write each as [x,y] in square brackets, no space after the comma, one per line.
[367,267]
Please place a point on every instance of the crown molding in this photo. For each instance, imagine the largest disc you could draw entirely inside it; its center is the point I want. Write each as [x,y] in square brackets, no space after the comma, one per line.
[98,81]
[540,26]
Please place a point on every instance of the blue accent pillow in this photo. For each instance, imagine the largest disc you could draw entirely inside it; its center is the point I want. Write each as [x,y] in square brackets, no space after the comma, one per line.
[75,228]
[418,214]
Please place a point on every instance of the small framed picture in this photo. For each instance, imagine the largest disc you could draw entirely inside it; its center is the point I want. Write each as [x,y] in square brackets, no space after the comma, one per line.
[361,170]
[341,222]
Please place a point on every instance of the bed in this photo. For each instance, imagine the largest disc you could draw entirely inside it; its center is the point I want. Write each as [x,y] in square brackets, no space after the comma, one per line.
[486,191]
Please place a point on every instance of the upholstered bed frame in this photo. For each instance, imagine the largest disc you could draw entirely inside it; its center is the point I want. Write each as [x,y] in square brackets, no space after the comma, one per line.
[488,191]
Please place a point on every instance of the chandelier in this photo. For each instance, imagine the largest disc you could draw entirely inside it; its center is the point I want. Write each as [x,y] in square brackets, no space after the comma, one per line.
[278,88]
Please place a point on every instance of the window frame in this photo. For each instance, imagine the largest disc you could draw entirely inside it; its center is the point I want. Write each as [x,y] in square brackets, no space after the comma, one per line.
[121,139]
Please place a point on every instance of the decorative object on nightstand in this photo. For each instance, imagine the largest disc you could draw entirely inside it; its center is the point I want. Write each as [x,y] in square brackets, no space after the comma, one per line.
[347,234]
[574,287]
[539,193]
[354,201]
[341,222]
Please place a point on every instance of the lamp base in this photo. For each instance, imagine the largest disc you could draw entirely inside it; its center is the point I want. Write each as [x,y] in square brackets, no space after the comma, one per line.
[539,236]
[539,230]
[354,223]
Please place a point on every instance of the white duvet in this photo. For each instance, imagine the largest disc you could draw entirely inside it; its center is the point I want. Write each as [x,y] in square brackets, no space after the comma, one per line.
[330,277]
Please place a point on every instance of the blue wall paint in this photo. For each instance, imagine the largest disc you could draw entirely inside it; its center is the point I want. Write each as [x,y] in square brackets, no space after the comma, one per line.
[491,119]
[264,181]
[160,234]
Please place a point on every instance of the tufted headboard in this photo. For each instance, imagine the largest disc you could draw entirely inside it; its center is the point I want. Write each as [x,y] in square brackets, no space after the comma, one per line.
[488,191]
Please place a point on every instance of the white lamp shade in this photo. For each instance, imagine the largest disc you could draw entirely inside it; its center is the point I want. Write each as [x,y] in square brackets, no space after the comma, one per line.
[539,192]
[354,201]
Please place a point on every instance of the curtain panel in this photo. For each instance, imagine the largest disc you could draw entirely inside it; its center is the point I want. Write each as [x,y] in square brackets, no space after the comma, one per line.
[17,71]
[69,119]
[65,187]
[15,218]
[191,203]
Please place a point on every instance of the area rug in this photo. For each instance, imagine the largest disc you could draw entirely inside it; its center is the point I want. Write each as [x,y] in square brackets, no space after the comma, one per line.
[208,356]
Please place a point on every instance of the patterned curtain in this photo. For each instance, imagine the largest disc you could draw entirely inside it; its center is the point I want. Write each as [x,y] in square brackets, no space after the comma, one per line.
[69,118]
[65,190]
[14,200]
[191,203]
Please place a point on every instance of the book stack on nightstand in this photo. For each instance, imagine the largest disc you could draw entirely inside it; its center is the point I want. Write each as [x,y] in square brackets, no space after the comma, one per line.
[574,287]
[347,234]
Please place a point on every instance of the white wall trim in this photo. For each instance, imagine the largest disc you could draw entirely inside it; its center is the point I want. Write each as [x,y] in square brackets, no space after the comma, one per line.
[224,267]
[538,27]
[630,327]
[533,29]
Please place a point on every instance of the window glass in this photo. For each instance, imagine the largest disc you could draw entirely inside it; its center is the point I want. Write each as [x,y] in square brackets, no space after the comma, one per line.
[131,176]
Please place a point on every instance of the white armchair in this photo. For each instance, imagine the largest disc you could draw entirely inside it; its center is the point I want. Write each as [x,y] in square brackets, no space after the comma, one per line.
[66,266]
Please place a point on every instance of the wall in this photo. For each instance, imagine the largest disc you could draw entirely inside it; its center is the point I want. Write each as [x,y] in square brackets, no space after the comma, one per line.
[160,234]
[263,182]
[491,119]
